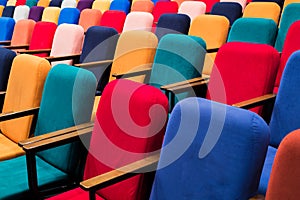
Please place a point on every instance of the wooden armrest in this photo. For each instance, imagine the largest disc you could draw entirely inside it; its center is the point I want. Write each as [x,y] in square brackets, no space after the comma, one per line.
[214,50]
[35,51]
[186,87]
[55,134]
[7,42]
[93,64]
[147,164]
[133,73]
[56,141]
[169,86]
[18,114]
[2,92]
[258,101]
[60,58]
[25,46]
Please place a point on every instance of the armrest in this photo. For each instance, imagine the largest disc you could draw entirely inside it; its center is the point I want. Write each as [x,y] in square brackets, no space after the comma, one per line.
[147,164]
[18,114]
[93,64]
[35,51]
[2,92]
[185,87]
[190,81]
[7,42]
[60,58]
[214,50]
[133,73]
[258,101]
[26,46]
[55,134]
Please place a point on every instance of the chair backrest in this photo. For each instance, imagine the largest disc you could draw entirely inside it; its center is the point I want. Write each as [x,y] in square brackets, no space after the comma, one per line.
[192,8]
[7,25]
[8,11]
[291,44]
[163,8]
[89,17]
[231,80]
[11,2]
[286,106]
[287,2]
[31,3]
[68,39]
[285,169]
[85,4]
[3,2]
[279,2]
[20,2]
[51,14]
[141,135]
[102,5]
[68,4]
[198,142]
[43,3]
[35,13]
[231,10]
[288,17]
[172,23]
[241,2]
[6,58]
[255,30]
[212,28]
[135,50]
[142,6]
[55,3]
[120,5]
[42,36]
[114,19]
[67,101]
[21,12]
[31,71]
[1,10]
[269,10]
[69,16]
[22,32]
[138,21]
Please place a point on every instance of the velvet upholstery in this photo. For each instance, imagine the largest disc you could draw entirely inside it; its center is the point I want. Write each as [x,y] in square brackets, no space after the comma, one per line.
[142,6]
[198,159]
[35,13]
[68,4]
[1,9]
[43,3]
[20,2]
[31,71]
[69,16]
[55,3]
[254,30]
[7,25]
[138,21]
[241,2]
[6,59]
[209,4]
[120,5]
[89,17]
[231,10]
[21,12]
[84,4]
[279,2]
[102,5]
[163,8]
[3,2]
[51,14]
[192,8]
[31,3]
[8,11]
[114,19]
[22,32]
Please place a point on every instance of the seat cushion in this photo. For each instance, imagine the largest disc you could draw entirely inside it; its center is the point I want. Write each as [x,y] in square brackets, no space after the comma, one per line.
[75,194]
[9,149]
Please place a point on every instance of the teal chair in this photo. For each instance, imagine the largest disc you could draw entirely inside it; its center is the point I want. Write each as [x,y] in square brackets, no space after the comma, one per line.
[254,30]
[67,100]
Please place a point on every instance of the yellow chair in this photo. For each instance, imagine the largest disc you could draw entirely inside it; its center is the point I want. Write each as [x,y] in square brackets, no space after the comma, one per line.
[51,14]
[24,91]
[269,10]
[11,2]
[102,5]
[43,3]
[1,10]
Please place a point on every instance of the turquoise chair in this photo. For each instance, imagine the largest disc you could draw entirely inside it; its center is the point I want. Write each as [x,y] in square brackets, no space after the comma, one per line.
[67,100]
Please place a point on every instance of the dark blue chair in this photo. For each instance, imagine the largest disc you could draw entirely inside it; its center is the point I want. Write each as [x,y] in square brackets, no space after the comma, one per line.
[210,151]
[231,10]
[69,16]
[8,11]
[7,26]
[55,3]
[121,5]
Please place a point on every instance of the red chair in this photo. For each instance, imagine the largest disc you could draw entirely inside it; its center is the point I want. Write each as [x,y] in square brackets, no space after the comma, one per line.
[114,19]
[162,8]
[20,2]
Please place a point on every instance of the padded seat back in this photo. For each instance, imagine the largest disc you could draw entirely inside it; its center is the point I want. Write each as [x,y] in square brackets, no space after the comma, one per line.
[21,12]
[142,6]
[231,10]
[114,19]
[8,11]
[163,8]
[22,32]
[192,8]
[51,14]
[69,16]
[138,21]
[102,5]
[35,13]
[7,25]
[89,17]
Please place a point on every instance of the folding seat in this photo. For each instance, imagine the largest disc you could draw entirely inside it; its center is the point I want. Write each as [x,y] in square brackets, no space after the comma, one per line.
[68,4]
[21,12]
[120,5]
[269,10]
[163,8]
[43,3]
[31,3]
[231,10]
[256,30]
[284,178]
[142,6]
[138,21]
[66,101]
[84,4]
[192,8]
[114,19]
[31,72]
[288,17]
[102,5]
[51,14]
[172,23]
[7,25]
[89,17]
[35,13]
[55,3]
[279,2]
[8,11]
[69,16]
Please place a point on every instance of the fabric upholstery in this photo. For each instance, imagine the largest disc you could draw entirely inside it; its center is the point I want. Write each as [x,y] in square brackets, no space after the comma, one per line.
[11,2]
[172,23]
[279,2]
[254,30]
[21,12]
[35,13]
[210,4]
[1,9]
[163,8]
[241,2]
[8,11]
[284,179]
[31,3]
[55,3]
[231,10]
[198,158]
[3,2]
[232,80]
[291,44]
[142,6]
[81,5]
[89,17]
[22,32]
[69,16]
[120,5]
[269,10]
[102,5]
[51,14]
[192,8]
[288,17]
[114,19]
[68,4]
[20,2]
[7,25]
[287,2]
[43,3]
[138,21]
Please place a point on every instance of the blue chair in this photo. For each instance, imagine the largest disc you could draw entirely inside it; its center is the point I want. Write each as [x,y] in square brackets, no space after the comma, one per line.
[55,3]
[210,151]
[7,25]
[69,16]
[231,10]
[3,2]
[121,5]
[8,11]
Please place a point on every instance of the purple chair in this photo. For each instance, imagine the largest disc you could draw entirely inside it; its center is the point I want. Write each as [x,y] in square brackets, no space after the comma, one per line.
[83,4]
[35,13]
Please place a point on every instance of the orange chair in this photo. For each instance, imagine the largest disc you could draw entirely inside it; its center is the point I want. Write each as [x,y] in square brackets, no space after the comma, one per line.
[89,17]
[143,6]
